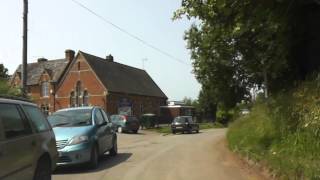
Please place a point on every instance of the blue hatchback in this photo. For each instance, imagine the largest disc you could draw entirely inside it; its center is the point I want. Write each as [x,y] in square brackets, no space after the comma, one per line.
[83,134]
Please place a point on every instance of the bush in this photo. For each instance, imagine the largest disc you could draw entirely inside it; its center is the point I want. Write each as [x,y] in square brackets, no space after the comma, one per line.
[284,132]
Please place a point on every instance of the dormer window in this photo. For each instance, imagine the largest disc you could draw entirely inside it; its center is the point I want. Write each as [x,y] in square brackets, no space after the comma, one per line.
[45,89]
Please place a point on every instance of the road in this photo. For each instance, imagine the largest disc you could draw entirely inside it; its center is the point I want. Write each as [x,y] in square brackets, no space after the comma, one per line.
[151,156]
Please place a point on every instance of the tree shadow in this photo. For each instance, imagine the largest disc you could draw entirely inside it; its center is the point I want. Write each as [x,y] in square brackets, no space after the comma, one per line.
[193,133]
[105,162]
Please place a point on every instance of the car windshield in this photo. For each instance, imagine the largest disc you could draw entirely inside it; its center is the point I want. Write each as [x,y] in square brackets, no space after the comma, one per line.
[179,120]
[78,117]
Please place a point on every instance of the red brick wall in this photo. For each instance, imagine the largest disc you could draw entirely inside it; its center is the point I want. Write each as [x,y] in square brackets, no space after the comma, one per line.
[149,104]
[89,82]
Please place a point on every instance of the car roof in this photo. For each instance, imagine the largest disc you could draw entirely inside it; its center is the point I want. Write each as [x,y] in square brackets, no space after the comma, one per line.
[78,108]
[14,101]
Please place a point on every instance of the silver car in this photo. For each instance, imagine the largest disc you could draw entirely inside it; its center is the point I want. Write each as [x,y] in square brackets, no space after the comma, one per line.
[27,142]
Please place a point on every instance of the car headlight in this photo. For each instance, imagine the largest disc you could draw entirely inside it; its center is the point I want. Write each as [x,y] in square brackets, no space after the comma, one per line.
[78,140]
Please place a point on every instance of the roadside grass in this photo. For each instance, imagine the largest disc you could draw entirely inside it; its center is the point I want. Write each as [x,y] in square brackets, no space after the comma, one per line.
[283,133]
[202,126]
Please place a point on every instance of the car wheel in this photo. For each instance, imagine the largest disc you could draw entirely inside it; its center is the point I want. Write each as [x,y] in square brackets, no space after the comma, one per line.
[43,170]
[114,150]
[135,131]
[119,130]
[197,130]
[94,158]
[173,132]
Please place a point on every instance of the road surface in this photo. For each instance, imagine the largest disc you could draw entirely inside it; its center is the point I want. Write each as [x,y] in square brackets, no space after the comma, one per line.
[151,156]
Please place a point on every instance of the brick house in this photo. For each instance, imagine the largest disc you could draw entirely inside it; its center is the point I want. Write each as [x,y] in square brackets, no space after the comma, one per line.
[86,80]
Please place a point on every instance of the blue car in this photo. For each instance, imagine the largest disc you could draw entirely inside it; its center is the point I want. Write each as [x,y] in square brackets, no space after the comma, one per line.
[82,135]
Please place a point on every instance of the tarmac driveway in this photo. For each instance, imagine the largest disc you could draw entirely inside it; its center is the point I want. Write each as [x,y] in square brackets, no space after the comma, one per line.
[151,156]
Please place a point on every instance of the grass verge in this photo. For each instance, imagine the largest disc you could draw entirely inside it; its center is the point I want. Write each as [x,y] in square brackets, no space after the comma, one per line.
[283,133]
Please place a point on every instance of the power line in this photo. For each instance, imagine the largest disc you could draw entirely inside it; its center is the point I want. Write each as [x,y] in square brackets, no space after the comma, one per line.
[129,34]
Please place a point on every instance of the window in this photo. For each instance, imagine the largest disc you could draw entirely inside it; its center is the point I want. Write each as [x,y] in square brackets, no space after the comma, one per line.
[72,99]
[78,93]
[13,123]
[98,118]
[45,89]
[37,118]
[85,98]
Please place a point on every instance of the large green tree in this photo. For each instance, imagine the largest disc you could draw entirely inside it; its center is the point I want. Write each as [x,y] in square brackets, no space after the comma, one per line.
[239,44]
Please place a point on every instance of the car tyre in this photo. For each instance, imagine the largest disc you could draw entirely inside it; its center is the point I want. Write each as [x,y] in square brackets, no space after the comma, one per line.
[114,150]
[94,158]
[173,132]
[43,170]
[135,131]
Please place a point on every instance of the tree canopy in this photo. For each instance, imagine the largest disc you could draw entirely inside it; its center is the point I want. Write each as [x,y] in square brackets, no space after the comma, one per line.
[237,45]
[3,72]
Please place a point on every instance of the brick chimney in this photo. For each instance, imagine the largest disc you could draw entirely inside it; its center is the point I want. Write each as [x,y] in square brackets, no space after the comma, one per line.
[69,54]
[109,58]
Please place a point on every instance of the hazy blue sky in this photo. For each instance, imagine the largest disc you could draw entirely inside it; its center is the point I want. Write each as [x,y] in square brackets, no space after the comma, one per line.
[56,25]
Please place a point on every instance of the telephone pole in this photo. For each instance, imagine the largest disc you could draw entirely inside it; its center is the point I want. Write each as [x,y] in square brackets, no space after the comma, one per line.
[24,48]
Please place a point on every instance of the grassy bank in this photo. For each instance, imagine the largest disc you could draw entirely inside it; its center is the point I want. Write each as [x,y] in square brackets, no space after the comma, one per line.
[283,132]
[167,129]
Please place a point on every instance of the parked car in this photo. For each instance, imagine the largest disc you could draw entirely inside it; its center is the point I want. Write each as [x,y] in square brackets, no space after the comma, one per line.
[83,134]
[27,142]
[125,123]
[184,124]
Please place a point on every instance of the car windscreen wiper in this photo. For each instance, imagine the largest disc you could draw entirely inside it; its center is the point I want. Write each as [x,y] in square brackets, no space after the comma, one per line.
[81,122]
[60,124]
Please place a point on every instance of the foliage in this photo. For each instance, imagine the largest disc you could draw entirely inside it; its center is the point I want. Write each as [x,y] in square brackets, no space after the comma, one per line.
[5,88]
[284,132]
[234,42]
[3,72]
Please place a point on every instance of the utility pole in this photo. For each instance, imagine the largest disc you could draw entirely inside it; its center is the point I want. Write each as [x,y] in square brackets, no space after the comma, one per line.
[24,48]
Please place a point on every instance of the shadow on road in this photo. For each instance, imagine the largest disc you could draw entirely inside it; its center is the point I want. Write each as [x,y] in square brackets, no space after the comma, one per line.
[105,162]
[193,133]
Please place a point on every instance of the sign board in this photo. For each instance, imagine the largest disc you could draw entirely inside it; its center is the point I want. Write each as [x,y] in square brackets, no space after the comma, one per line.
[125,107]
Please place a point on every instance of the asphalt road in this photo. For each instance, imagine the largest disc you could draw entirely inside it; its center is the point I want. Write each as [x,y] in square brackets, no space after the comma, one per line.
[151,156]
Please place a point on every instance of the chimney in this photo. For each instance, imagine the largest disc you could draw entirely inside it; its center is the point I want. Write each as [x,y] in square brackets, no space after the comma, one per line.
[69,54]
[42,60]
[109,58]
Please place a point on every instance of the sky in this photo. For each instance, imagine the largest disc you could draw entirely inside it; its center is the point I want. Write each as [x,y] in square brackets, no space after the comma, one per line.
[55,26]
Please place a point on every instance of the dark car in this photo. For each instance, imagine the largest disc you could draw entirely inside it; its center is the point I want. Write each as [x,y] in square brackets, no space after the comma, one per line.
[124,123]
[184,124]
[27,142]
[83,134]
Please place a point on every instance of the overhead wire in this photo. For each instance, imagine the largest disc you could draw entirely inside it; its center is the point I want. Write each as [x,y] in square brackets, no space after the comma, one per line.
[129,34]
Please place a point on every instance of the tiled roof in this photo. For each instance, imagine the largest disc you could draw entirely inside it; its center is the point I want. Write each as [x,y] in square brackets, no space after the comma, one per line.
[55,69]
[121,78]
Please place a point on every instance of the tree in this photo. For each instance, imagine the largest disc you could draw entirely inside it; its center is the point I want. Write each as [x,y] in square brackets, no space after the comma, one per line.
[3,72]
[238,45]
[5,88]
